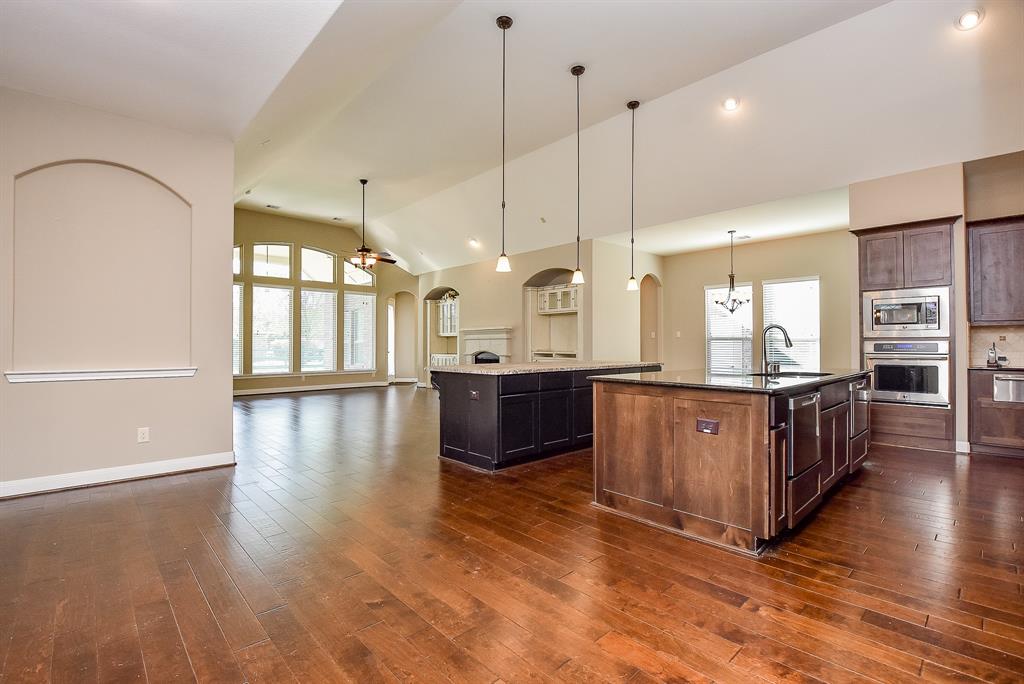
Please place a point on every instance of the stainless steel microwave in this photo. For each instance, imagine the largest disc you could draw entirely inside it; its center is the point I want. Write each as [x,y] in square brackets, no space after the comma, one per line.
[922,312]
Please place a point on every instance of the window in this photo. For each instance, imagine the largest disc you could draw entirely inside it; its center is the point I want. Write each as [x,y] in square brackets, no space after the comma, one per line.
[357,276]
[359,331]
[272,261]
[729,347]
[793,304]
[271,329]
[236,260]
[317,265]
[236,328]
[318,311]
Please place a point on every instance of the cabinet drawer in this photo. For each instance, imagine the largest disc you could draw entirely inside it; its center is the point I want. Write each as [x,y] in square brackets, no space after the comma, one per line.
[518,384]
[834,394]
[858,451]
[803,493]
[555,381]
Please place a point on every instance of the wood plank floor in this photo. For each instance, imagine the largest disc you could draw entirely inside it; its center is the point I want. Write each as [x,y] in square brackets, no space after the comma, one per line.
[341,549]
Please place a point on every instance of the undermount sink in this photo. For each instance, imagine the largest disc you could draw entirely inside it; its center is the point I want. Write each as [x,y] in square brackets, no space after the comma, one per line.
[790,374]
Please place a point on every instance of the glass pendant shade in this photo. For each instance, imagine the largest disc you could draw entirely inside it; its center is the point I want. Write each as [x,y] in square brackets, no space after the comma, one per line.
[632,285]
[577,277]
[503,265]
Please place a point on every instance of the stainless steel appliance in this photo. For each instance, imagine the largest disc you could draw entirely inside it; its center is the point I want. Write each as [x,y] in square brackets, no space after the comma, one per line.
[804,432]
[860,398]
[909,371]
[1007,387]
[922,312]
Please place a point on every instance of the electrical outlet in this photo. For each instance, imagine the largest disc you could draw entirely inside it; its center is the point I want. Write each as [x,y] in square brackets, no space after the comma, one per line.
[143,435]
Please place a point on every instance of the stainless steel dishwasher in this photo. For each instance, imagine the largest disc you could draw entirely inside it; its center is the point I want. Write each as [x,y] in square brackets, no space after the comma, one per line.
[859,398]
[804,432]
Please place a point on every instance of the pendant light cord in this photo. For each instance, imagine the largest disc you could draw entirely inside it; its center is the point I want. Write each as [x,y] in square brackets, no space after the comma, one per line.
[363,240]
[632,196]
[503,32]
[578,173]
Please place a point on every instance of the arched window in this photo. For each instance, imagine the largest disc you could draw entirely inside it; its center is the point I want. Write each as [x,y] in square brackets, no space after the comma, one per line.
[318,265]
[357,276]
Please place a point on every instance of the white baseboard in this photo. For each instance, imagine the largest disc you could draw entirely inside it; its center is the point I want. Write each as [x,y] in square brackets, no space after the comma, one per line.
[83,375]
[308,388]
[963,447]
[422,384]
[397,380]
[83,478]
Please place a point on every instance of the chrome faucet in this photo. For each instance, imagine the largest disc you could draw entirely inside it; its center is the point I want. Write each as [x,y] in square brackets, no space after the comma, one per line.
[771,368]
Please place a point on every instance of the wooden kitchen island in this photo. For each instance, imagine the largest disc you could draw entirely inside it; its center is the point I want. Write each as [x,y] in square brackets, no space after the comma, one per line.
[497,415]
[719,457]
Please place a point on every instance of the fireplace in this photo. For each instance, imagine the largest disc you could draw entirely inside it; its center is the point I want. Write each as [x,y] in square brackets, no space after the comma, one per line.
[495,341]
[485,357]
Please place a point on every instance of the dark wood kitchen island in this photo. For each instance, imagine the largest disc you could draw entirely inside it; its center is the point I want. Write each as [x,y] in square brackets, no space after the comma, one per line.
[733,460]
[498,415]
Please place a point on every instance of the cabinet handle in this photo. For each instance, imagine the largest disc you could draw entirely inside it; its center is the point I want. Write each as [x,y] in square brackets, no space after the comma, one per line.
[1008,378]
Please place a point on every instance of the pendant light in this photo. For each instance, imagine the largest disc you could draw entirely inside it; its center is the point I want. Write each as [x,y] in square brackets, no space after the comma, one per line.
[731,302]
[577,275]
[631,284]
[503,265]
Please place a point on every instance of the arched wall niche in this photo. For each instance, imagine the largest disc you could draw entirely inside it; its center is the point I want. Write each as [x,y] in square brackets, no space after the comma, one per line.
[549,276]
[102,269]
[650,318]
[439,292]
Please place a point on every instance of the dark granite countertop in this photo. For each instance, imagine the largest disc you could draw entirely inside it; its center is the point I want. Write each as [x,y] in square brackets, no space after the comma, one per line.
[538,367]
[702,379]
[1003,369]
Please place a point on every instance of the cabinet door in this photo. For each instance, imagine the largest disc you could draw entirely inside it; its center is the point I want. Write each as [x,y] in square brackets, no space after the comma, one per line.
[554,419]
[542,301]
[827,441]
[881,261]
[552,296]
[583,414]
[573,301]
[997,277]
[518,416]
[841,443]
[928,256]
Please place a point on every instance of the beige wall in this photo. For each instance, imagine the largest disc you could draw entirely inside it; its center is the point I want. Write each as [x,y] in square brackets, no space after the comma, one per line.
[826,255]
[616,323]
[50,430]
[915,196]
[253,227]
[405,335]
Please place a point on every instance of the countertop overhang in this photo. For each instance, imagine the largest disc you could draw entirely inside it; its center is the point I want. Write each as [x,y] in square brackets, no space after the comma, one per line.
[547,367]
[700,378]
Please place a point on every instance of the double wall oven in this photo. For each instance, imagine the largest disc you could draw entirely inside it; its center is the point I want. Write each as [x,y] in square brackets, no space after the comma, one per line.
[906,345]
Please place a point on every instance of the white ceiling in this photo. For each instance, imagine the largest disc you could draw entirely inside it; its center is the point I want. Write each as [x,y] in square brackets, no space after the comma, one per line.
[431,117]
[813,213]
[204,66]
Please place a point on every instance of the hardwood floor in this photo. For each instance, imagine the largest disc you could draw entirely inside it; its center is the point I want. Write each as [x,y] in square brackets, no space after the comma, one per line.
[341,549]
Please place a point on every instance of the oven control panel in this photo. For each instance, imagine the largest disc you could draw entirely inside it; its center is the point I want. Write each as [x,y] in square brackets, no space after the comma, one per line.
[907,347]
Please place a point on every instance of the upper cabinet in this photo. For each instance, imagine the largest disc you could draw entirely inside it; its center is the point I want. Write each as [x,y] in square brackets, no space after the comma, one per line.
[996,262]
[448,317]
[915,255]
[557,299]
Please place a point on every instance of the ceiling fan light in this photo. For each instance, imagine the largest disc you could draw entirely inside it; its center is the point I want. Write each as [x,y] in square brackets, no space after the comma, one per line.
[577,277]
[969,19]
[503,265]
[632,285]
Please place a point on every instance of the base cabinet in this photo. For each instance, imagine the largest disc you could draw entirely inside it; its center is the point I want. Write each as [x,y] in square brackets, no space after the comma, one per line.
[835,445]
[554,419]
[996,427]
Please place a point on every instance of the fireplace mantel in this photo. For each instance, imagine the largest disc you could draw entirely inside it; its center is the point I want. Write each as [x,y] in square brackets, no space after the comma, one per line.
[495,339]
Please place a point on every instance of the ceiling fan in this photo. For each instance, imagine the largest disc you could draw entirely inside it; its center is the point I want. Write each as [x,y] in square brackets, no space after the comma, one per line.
[364,257]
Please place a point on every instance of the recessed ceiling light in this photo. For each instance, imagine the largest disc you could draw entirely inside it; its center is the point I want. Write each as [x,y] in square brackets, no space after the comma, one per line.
[969,19]
[731,104]
[743,237]
[337,218]
[249,191]
[265,142]
[273,206]
[474,243]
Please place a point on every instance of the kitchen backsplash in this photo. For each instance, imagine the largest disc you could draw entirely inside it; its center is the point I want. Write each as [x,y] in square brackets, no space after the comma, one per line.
[1012,348]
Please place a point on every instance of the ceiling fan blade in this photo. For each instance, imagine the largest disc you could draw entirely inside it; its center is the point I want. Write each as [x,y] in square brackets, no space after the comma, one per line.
[386,260]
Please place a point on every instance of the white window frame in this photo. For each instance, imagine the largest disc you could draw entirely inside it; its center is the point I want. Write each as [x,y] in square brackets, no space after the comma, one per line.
[241,259]
[373,328]
[373,276]
[241,331]
[337,318]
[334,258]
[291,328]
[775,338]
[742,369]
[291,259]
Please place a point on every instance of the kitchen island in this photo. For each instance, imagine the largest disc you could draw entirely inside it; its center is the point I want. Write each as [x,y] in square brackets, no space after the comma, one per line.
[497,415]
[733,460]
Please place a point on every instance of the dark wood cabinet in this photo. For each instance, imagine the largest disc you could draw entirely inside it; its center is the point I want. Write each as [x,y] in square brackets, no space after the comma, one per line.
[554,422]
[881,261]
[995,427]
[777,444]
[583,415]
[835,444]
[518,418]
[996,264]
[911,255]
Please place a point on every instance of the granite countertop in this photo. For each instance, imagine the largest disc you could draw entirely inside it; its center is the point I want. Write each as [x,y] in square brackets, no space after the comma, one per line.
[1008,369]
[543,367]
[701,379]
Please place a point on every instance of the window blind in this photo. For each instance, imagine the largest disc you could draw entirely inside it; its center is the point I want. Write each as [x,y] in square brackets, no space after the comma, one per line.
[318,314]
[359,340]
[729,347]
[237,290]
[794,305]
[271,329]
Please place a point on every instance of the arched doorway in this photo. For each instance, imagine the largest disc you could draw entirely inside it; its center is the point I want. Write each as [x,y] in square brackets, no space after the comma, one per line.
[650,319]
[441,326]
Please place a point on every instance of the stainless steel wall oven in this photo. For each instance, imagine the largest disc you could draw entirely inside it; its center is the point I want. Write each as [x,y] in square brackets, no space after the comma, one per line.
[909,371]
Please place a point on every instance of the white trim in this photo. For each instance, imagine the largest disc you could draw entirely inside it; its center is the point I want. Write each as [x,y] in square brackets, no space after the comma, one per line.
[422,385]
[963,447]
[396,380]
[84,478]
[308,388]
[121,374]
[794,279]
